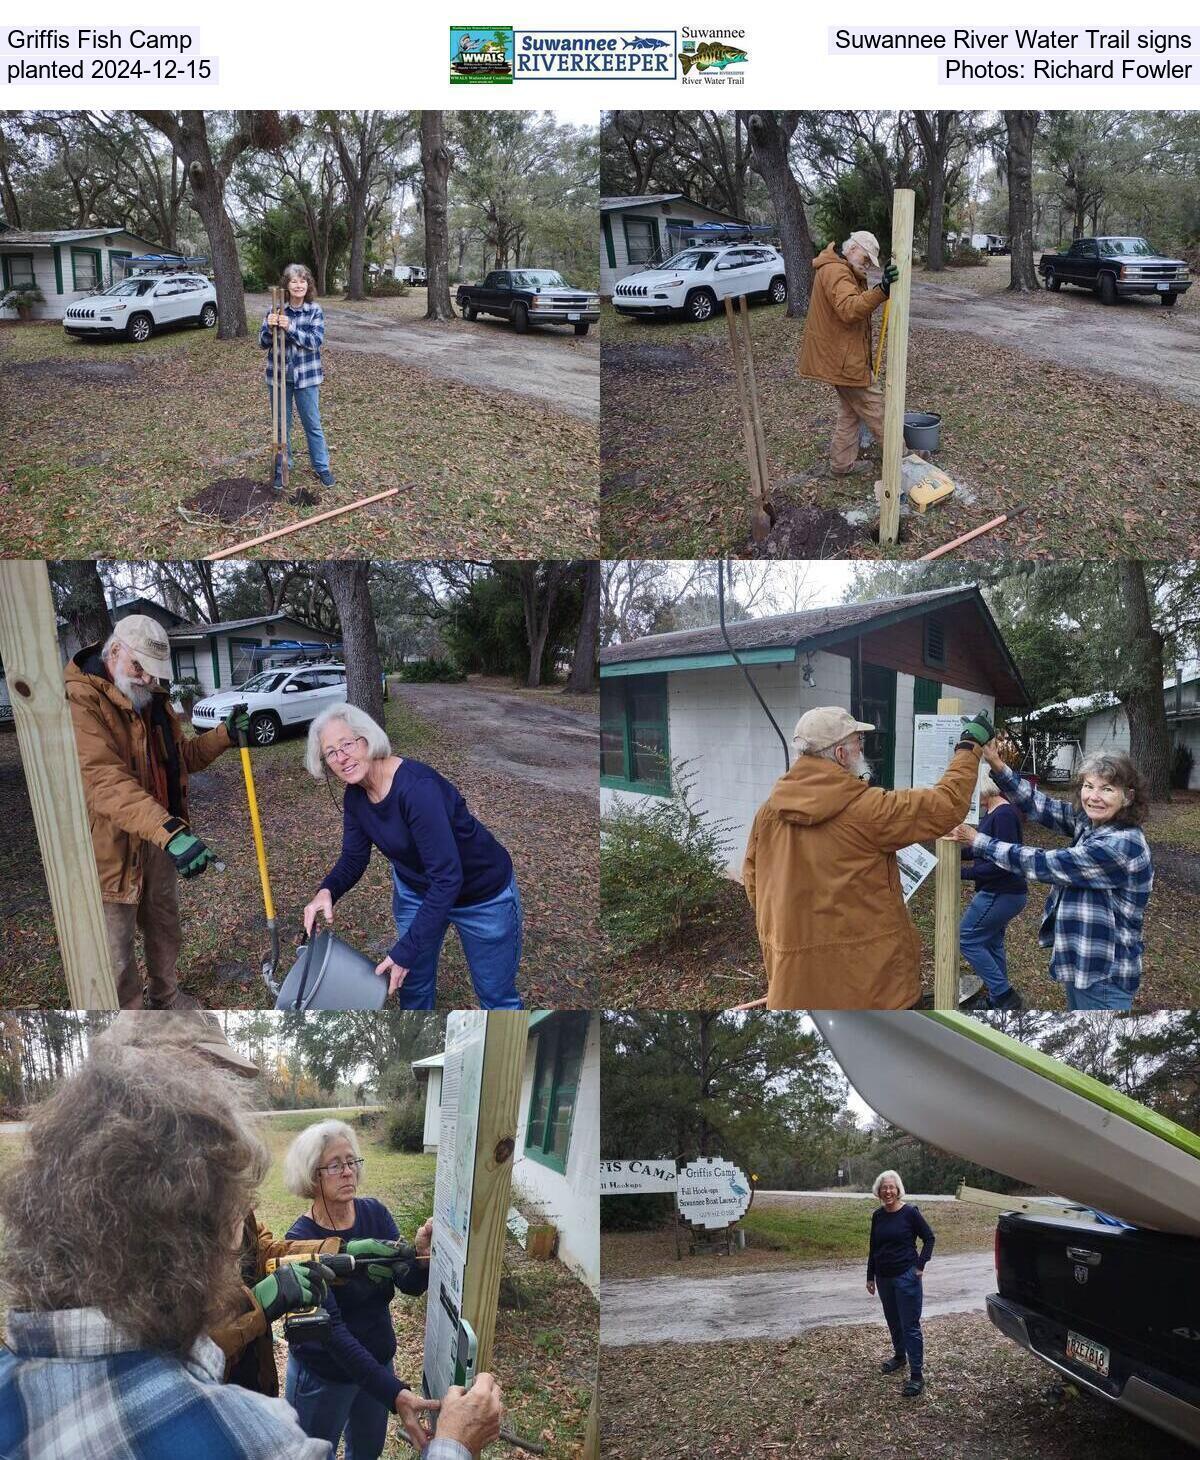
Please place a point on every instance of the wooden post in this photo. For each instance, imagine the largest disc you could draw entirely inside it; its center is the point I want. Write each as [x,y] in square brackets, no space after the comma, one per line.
[591,1439]
[495,1141]
[29,649]
[897,365]
[760,445]
[947,894]
[760,523]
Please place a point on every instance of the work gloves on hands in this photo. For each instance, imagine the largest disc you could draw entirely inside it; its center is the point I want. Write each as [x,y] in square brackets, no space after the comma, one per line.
[237,723]
[189,853]
[976,732]
[890,274]
[394,1257]
[291,1286]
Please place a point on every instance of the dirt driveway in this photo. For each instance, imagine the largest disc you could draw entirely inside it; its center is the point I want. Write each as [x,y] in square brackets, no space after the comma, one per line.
[549,364]
[775,1304]
[533,742]
[1137,340]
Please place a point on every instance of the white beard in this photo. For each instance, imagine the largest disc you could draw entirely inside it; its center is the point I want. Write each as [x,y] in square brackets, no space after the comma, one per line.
[138,695]
[861,768]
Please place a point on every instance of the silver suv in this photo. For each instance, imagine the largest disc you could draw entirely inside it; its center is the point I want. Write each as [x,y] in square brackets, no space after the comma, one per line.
[138,306]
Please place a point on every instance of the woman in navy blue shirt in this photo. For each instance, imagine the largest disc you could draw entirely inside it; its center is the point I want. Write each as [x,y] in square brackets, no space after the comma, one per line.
[895,1269]
[1000,895]
[447,868]
[345,1384]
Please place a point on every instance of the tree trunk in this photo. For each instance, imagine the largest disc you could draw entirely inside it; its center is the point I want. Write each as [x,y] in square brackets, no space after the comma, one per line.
[357,287]
[1021,127]
[935,248]
[937,131]
[1145,708]
[583,667]
[770,133]
[82,603]
[349,585]
[435,170]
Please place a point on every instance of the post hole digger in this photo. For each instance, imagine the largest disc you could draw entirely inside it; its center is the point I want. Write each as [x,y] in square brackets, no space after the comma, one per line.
[328,974]
[279,411]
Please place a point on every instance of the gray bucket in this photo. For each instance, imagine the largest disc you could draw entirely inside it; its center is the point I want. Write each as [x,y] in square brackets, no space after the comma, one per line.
[922,430]
[329,974]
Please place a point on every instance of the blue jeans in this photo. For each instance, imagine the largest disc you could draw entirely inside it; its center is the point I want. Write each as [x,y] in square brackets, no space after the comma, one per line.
[308,408]
[981,937]
[1101,995]
[491,934]
[327,1410]
[901,1298]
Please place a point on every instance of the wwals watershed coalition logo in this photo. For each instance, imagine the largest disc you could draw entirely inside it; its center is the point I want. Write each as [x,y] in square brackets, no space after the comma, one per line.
[582,55]
[481,54]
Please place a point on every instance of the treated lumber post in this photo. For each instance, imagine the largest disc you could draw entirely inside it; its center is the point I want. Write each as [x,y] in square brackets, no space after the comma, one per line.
[29,649]
[947,895]
[897,365]
[759,522]
[591,1439]
[499,1102]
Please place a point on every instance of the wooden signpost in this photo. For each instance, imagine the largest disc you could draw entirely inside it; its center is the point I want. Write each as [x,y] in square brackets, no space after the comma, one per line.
[947,903]
[29,650]
[481,1091]
[741,350]
[897,365]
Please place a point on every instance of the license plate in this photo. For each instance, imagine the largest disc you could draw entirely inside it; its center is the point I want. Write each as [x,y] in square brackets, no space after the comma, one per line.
[1085,1351]
[1162,288]
[572,318]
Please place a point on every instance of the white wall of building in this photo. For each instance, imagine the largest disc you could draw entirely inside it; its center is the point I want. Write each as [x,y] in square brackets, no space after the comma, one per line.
[433,1110]
[571,1200]
[1107,729]
[718,725]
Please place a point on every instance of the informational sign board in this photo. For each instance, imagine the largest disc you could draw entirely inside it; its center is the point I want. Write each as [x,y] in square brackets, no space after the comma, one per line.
[462,1077]
[712,1193]
[915,864]
[934,739]
[637,1178]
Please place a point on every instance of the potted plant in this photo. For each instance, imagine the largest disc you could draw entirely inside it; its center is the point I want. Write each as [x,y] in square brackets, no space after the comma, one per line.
[185,693]
[22,298]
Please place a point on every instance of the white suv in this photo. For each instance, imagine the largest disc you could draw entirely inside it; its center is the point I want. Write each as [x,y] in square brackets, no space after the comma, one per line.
[696,280]
[138,306]
[275,698]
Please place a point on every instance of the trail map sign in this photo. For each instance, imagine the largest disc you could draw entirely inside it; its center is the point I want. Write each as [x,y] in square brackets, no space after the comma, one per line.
[462,1077]
[712,1193]
[636,1178]
[934,739]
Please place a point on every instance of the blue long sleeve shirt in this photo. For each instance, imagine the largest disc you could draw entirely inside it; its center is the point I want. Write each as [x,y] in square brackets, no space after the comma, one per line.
[437,848]
[1003,825]
[894,1241]
[362,1341]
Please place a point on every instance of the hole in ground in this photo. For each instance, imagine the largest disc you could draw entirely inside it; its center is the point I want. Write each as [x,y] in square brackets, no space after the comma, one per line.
[232,498]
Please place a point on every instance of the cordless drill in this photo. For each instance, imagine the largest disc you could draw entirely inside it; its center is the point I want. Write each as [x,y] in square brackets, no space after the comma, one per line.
[310,1323]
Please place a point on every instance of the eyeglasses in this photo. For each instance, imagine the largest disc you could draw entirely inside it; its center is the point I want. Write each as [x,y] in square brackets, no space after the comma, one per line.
[342,751]
[351,1167]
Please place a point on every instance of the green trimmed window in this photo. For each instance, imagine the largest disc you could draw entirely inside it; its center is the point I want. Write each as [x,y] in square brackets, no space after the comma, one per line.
[185,662]
[555,1088]
[18,271]
[641,238]
[85,268]
[635,748]
[241,659]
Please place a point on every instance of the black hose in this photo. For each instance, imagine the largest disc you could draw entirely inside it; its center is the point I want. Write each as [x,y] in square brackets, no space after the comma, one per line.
[787,760]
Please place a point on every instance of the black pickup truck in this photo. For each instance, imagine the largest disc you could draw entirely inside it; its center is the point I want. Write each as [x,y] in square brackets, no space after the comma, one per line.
[530,296]
[1114,267]
[1116,1310]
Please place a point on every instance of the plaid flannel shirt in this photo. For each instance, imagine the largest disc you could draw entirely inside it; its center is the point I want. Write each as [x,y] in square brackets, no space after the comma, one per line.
[1102,881]
[73,1384]
[302,354]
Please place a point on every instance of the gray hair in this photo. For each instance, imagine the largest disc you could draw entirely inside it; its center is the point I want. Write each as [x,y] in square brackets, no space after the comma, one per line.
[989,786]
[826,752]
[109,645]
[887,1176]
[304,1154]
[138,1173]
[378,745]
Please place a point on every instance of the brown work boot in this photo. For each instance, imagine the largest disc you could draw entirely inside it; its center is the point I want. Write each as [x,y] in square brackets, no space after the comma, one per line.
[860,468]
[177,1000]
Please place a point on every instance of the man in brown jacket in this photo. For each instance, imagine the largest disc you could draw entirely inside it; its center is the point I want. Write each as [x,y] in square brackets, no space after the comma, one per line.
[135,761]
[821,874]
[837,341]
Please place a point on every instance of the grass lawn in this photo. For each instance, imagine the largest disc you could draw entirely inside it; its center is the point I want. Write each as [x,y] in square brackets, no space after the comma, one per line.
[820,1396]
[1093,459]
[551,836]
[101,444]
[717,963]
[546,1330]
[785,1233]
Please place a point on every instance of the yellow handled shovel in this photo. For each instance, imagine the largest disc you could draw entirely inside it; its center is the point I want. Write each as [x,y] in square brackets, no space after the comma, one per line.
[271,963]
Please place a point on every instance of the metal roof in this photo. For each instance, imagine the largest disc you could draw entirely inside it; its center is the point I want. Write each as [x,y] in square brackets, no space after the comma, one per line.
[225,626]
[613,205]
[46,237]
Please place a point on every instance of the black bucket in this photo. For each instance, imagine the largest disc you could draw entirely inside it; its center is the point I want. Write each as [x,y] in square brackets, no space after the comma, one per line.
[922,430]
[329,974]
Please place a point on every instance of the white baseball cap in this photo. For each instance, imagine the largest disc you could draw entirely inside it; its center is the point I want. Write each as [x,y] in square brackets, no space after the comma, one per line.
[147,641]
[868,243]
[823,727]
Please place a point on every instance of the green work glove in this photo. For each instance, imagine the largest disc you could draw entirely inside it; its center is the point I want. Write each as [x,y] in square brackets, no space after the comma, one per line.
[367,1247]
[189,854]
[890,274]
[291,1286]
[237,722]
[976,731]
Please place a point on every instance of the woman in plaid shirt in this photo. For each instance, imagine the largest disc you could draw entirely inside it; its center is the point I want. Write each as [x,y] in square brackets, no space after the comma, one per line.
[1102,881]
[304,321]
